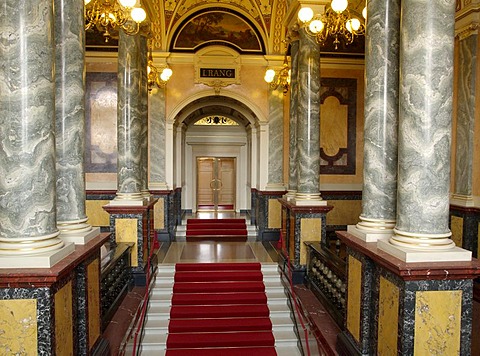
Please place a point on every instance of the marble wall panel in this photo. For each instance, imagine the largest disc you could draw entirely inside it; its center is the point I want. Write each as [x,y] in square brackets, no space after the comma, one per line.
[456,226]
[344,212]
[64,328]
[159,214]
[97,216]
[126,231]
[388,304]
[354,293]
[18,327]
[438,322]
[310,230]
[274,214]
[93,297]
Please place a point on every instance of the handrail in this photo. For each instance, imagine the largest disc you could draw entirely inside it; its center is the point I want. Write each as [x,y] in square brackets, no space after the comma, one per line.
[146,300]
[292,292]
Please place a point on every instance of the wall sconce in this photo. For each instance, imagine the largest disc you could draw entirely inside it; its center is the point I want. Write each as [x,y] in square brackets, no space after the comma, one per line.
[111,15]
[282,79]
[334,22]
[155,76]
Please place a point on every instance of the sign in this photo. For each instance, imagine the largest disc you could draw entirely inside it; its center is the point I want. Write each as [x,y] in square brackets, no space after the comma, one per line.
[217,73]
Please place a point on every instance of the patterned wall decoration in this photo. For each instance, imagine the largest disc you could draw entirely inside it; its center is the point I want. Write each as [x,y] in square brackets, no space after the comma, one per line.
[101,123]
[338,125]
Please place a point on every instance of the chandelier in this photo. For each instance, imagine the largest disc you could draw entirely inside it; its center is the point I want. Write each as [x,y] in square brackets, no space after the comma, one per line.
[335,22]
[112,15]
[282,79]
[155,76]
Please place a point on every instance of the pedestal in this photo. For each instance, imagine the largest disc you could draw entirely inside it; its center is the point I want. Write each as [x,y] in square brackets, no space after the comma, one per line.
[394,307]
[134,224]
[53,311]
[300,224]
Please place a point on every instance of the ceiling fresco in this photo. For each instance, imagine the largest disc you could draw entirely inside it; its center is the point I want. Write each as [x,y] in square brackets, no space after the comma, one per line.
[250,26]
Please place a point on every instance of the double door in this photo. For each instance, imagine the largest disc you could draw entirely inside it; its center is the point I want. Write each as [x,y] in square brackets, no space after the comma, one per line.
[216,183]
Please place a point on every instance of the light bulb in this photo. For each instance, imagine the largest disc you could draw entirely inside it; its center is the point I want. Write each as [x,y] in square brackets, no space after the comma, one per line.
[364,12]
[87,2]
[305,14]
[269,75]
[316,26]
[339,6]
[166,74]
[128,3]
[353,25]
[138,14]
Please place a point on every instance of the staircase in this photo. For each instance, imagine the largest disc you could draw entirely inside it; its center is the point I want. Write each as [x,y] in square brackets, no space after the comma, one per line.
[158,315]
[181,231]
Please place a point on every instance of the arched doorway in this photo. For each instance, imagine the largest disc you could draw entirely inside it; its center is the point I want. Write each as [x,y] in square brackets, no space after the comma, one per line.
[232,139]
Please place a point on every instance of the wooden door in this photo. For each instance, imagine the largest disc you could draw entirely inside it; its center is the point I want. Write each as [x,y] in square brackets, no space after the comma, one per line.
[216,180]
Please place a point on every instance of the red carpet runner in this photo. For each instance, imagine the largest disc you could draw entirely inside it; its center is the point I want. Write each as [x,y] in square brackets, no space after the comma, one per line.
[219,309]
[216,229]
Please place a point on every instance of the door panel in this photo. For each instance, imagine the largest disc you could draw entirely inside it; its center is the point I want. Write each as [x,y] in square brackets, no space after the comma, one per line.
[216,183]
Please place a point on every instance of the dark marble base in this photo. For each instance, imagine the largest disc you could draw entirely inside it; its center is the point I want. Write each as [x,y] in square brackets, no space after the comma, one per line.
[294,275]
[102,348]
[269,236]
[163,236]
[346,347]
[139,278]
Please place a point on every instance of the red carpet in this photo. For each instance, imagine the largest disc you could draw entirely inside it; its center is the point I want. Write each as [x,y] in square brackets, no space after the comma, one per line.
[219,309]
[216,230]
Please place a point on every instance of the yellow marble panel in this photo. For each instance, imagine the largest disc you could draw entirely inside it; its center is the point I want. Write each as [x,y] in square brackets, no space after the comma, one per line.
[64,320]
[159,214]
[333,126]
[344,212]
[478,239]
[437,322]
[456,226]
[310,230]
[126,231]
[93,295]
[18,327]
[95,213]
[388,318]
[354,293]
[274,214]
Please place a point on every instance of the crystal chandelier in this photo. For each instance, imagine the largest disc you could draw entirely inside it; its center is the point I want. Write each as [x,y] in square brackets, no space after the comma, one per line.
[155,76]
[282,79]
[112,15]
[335,22]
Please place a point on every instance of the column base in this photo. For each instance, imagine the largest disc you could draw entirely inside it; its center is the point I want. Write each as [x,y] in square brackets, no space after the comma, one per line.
[464,200]
[128,202]
[80,238]
[411,255]
[369,236]
[41,260]
[290,195]
[308,200]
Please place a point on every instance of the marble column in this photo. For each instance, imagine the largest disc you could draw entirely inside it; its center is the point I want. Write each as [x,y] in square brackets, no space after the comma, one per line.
[70,122]
[308,122]
[129,122]
[425,115]
[143,112]
[466,113]
[275,142]
[292,155]
[379,196]
[27,137]
[157,134]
